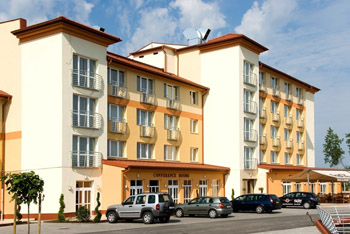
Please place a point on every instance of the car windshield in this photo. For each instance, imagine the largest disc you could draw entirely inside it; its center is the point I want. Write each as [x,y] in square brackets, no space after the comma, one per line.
[165,198]
[274,197]
[313,195]
[223,199]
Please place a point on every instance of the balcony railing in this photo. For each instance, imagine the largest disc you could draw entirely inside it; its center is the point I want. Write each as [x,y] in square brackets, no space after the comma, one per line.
[250,107]
[86,79]
[86,159]
[301,146]
[289,120]
[250,164]
[276,92]
[263,140]
[173,104]
[262,87]
[262,113]
[276,142]
[250,135]
[173,134]
[289,143]
[276,117]
[301,123]
[117,90]
[250,79]
[147,131]
[86,119]
[300,100]
[148,98]
[116,126]
[288,95]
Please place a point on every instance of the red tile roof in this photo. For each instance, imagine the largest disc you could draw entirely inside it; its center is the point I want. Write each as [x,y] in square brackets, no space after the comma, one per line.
[151,69]
[163,165]
[281,167]
[5,95]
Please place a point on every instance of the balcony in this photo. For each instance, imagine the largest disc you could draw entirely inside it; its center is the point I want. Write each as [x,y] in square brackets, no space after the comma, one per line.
[86,119]
[86,159]
[301,146]
[263,141]
[276,142]
[250,164]
[288,96]
[148,98]
[173,104]
[289,120]
[250,135]
[276,117]
[117,90]
[147,131]
[301,101]
[115,126]
[263,88]
[301,123]
[173,134]
[250,79]
[262,113]
[289,143]
[250,107]
[276,92]
[85,79]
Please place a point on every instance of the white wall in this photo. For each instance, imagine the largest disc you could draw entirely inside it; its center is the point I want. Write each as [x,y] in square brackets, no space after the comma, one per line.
[310,129]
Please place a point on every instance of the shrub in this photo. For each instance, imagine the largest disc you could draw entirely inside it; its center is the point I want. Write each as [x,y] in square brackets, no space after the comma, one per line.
[60,215]
[98,213]
[18,211]
[197,193]
[233,195]
[83,214]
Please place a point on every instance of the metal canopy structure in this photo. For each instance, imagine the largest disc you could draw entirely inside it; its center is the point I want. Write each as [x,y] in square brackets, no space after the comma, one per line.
[314,175]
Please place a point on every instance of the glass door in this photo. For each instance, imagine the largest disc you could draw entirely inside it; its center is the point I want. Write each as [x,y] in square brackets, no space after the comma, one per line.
[173,190]
[83,194]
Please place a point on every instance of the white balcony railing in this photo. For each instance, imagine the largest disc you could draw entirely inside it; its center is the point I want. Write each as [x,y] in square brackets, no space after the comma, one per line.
[86,79]
[116,126]
[262,113]
[173,134]
[147,131]
[301,146]
[86,119]
[117,90]
[262,87]
[288,95]
[250,107]
[263,140]
[276,117]
[289,143]
[250,135]
[289,120]
[250,79]
[276,92]
[301,123]
[86,159]
[276,142]
[148,98]
[301,101]
[250,164]
[173,104]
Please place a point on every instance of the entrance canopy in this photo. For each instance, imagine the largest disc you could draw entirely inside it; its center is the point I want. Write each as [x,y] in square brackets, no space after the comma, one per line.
[322,175]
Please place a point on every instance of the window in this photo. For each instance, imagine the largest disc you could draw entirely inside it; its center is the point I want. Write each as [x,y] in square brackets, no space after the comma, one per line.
[248,70]
[116,77]
[83,194]
[154,186]
[170,122]
[248,159]
[194,154]
[136,187]
[129,201]
[115,113]
[323,187]
[274,157]
[298,93]
[273,131]
[298,187]
[173,190]
[170,152]
[83,71]
[144,85]
[298,114]
[171,92]
[248,106]
[151,199]
[83,149]
[83,111]
[286,110]
[115,149]
[312,187]
[261,156]
[144,118]
[299,136]
[203,188]
[286,134]
[287,88]
[274,107]
[144,151]
[287,188]
[299,159]
[274,82]
[140,200]
[249,134]
[261,78]
[287,158]
[261,129]
[187,190]
[215,185]
[194,126]
[194,97]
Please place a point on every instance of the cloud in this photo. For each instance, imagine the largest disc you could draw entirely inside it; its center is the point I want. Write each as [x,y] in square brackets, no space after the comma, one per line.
[82,10]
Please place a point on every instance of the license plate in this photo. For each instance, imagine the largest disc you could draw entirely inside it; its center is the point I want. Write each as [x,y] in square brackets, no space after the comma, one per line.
[171,207]
[277,202]
[228,206]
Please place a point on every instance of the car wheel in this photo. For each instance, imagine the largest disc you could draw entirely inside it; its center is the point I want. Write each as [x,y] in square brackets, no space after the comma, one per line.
[112,217]
[164,219]
[212,214]
[306,205]
[179,213]
[148,218]
[224,215]
[259,209]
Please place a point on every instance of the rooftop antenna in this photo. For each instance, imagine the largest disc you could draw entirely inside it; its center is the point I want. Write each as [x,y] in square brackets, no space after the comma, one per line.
[195,37]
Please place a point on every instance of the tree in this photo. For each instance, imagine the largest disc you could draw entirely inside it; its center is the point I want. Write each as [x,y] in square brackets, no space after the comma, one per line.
[26,187]
[97,211]
[347,141]
[332,148]
[60,215]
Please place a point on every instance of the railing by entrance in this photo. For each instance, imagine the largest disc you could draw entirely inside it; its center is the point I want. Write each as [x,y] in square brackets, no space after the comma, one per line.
[86,159]
[336,218]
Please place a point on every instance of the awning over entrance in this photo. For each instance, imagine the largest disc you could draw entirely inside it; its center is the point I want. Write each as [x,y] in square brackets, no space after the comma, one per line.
[324,175]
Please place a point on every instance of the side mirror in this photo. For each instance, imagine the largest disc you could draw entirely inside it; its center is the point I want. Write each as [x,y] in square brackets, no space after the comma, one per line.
[123,203]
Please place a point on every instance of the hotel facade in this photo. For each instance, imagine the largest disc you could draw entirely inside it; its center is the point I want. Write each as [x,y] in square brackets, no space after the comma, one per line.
[187,120]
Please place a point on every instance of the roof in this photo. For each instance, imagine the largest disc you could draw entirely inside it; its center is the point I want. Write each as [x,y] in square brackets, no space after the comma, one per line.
[309,88]
[63,24]
[157,48]
[5,95]
[324,175]
[151,69]
[162,165]
[281,167]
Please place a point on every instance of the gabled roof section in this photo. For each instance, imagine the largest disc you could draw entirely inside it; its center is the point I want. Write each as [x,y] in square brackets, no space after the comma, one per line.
[158,48]
[5,95]
[163,165]
[230,39]
[65,25]
[278,73]
[159,44]
[118,59]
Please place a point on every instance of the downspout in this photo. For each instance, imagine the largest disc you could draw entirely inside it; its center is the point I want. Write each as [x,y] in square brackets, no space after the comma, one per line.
[123,182]
[3,156]
[204,93]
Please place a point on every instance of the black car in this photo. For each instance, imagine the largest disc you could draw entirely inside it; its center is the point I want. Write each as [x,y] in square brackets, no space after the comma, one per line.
[304,199]
[258,202]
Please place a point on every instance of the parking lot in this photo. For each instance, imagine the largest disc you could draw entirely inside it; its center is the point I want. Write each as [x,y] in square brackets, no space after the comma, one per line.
[280,221]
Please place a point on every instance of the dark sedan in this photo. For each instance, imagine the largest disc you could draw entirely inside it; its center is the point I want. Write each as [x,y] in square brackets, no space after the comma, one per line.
[304,199]
[256,202]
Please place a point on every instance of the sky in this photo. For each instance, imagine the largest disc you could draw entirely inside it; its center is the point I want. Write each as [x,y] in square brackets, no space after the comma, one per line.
[308,39]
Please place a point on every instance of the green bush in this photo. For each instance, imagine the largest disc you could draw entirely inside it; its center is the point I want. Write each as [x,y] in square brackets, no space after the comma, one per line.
[233,195]
[18,211]
[197,193]
[83,214]
[98,213]
[60,215]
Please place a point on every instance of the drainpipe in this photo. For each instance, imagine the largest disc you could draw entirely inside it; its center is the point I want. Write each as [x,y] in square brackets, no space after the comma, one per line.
[204,93]
[123,182]
[3,157]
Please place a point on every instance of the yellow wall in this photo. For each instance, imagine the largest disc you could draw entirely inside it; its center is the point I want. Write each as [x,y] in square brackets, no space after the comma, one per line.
[111,186]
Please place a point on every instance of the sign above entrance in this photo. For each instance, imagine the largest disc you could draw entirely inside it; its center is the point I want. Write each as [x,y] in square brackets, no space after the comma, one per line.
[167,175]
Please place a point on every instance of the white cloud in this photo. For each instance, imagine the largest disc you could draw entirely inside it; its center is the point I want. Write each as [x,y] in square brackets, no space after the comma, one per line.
[82,10]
